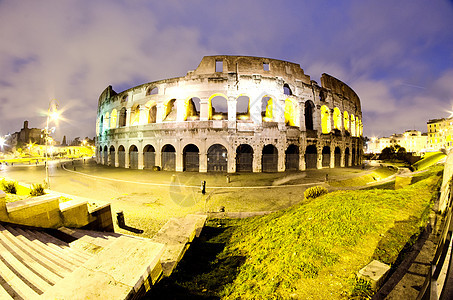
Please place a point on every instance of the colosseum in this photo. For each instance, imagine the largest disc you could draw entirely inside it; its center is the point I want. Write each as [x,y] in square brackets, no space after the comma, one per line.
[232,114]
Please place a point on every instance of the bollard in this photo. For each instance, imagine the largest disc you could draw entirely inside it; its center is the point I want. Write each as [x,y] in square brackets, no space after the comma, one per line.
[120,218]
[74,168]
[203,187]
[327,177]
[228,179]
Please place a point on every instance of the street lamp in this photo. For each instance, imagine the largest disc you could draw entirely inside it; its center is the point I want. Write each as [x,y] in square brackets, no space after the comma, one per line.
[52,114]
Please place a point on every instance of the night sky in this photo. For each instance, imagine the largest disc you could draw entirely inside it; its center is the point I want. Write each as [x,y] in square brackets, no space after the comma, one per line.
[396,55]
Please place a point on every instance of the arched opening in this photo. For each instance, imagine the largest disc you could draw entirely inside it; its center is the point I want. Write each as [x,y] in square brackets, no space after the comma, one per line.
[121,156]
[149,157]
[133,157]
[346,122]
[269,159]
[113,118]
[352,125]
[287,90]
[309,108]
[170,110]
[325,119]
[336,118]
[217,158]
[311,157]
[292,158]
[135,115]
[357,124]
[191,158]
[244,158]
[168,158]
[107,121]
[152,91]
[122,121]
[326,156]
[337,157]
[151,108]
[106,155]
[112,156]
[218,108]
[346,157]
[267,109]
[192,109]
[101,126]
[243,108]
[290,112]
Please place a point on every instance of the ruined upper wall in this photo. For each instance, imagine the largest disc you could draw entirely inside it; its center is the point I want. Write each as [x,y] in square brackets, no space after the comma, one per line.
[252,65]
[338,87]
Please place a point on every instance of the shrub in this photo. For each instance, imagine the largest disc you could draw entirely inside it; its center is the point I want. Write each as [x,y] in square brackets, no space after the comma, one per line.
[315,191]
[37,190]
[9,187]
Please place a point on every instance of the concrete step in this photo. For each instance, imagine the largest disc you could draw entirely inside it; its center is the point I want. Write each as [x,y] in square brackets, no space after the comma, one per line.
[3,292]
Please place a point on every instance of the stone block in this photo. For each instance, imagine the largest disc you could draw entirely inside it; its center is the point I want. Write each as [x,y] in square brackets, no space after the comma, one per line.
[375,273]
[75,213]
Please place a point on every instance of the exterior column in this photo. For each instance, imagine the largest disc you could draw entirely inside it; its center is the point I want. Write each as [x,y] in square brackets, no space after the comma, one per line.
[232,110]
[126,158]
[140,163]
[342,158]
[257,158]
[179,161]
[116,163]
[279,113]
[302,166]
[180,110]
[204,109]
[160,112]
[317,118]
[203,162]
[128,117]
[158,157]
[281,160]
[143,119]
[332,156]
[231,160]
[319,161]
[255,110]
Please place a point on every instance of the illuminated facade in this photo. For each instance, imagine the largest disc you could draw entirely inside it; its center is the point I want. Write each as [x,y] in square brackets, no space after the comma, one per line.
[440,134]
[232,114]
[411,140]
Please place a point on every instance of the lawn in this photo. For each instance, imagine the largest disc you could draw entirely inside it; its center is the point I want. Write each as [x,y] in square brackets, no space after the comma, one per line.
[309,251]
[429,160]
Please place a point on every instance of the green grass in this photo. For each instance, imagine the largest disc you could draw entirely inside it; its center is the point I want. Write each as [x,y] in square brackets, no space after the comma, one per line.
[312,250]
[374,176]
[429,160]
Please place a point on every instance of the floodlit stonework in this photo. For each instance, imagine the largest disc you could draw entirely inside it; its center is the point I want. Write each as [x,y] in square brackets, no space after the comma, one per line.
[232,114]
[412,140]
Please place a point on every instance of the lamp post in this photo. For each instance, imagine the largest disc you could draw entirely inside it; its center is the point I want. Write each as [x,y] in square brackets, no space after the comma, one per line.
[52,114]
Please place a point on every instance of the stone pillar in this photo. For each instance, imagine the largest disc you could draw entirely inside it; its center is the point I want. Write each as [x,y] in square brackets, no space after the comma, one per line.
[342,157]
[232,110]
[319,161]
[158,156]
[302,166]
[128,116]
[126,158]
[281,160]
[257,157]
[179,161]
[231,160]
[140,164]
[204,109]
[317,118]
[180,110]
[255,110]
[117,163]
[332,156]
[203,159]
[144,113]
[160,112]
[279,110]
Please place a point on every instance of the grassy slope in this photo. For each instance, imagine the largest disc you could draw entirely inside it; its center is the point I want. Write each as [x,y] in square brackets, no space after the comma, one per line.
[429,160]
[314,250]
[376,175]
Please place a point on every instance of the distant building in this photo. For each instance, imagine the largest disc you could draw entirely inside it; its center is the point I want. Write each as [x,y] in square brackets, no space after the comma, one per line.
[440,133]
[25,136]
[412,140]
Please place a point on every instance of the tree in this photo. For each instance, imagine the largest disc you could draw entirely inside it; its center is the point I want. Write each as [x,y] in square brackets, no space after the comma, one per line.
[387,153]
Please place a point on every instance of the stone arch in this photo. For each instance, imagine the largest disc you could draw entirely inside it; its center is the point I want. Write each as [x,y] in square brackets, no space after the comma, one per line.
[122,120]
[112,155]
[107,121]
[217,158]
[101,125]
[290,112]
[337,154]
[152,91]
[149,157]
[106,155]
[121,156]
[133,157]
[135,115]
[346,121]
[353,125]
[168,158]
[292,158]
[192,109]
[346,157]
[243,108]
[325,119]
[170,111]
[287,90]
[308,111]
[218,107]
[151,107]
[113,118]
[326,156]
[357,124]
[267,109]
[191,158]
[269,159]
[244,158]
[311,157]
[336,118]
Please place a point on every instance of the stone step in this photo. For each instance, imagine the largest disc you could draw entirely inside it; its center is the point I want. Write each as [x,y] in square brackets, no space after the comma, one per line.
[42,257]
[4,293]
[34,281]
[56,257]
[30,261]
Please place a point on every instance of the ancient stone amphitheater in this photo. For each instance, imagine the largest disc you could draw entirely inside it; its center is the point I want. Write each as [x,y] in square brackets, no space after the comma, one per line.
[232,114]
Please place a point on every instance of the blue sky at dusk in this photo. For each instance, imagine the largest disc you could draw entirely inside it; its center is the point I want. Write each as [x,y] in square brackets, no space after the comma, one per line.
[396,55]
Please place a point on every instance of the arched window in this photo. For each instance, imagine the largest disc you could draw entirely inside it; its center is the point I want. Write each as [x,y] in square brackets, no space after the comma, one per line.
[192,109]
[309,108]
[152,91]
[290,113]
[122,121]
[135,115]
[152,111]
[353,125]
[101,126]
[287,90]
[243,108]
[357,124]
[107,121]
[336,118]
[170,110]
[113,118]
[218,108]
[267,109]
[346,121]
[325,119]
